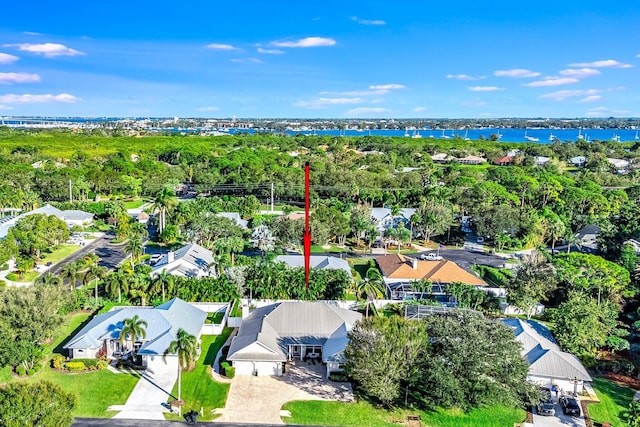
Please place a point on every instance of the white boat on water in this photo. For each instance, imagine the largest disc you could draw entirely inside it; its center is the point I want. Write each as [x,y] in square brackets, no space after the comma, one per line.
[552,137]
[406,133]
[530,138]
[416,134]
[444,136]
[637,135]
[580,134]
[466,135]
[615,138]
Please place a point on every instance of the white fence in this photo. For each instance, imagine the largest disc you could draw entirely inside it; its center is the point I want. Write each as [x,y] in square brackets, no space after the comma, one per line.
[214,307]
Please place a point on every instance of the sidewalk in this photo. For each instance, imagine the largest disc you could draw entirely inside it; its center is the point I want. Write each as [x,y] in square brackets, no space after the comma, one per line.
[215,374]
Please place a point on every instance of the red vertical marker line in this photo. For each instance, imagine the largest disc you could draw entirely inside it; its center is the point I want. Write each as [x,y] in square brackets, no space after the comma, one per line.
[307,231]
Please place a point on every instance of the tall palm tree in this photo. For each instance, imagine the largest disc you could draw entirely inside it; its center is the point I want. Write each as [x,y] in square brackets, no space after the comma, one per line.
[139,287]
[48,279]
[116,283]
[372,286]
[95,272]
[71,272]
[134,248]
[133,328]
[165,201]
[185,346]
[165,281]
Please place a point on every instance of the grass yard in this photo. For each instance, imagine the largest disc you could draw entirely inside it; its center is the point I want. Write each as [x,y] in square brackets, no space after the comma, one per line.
[133,204]
[614,399]
[59,254]
[323,249]
[29,276]
[95,390]
[366,415]
[198,388]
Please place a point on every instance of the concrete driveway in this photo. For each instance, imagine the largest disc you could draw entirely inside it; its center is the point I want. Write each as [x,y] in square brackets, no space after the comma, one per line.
[258,400]
[148,396]
[558,420]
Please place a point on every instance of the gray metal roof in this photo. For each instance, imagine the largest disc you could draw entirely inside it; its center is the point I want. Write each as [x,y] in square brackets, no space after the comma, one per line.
[266,332]
[545,357]
[234,216]
[189,261]
[316,261]
[163,323]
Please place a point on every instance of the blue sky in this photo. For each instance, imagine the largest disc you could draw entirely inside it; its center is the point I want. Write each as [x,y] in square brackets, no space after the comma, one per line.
[328,59]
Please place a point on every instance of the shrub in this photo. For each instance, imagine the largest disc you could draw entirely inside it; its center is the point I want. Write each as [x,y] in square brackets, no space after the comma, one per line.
[102,364]
[4,267]
[13,277]
[30,372]
[230,372]
[75,366]
[20,370]
[57,361]
[338,377]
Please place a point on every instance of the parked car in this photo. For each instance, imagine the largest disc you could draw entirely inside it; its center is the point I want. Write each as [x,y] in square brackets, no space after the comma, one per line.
[570,406]
[155,258]
[430,257]
[546,405]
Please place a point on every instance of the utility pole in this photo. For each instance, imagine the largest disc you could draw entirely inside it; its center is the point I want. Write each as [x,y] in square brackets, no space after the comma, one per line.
[70,193]
[272,197]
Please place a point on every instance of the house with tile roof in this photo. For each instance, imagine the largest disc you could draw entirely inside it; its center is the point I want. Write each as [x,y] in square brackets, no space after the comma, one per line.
[102,333]
[400,272]
[319,262]
[191,260]
[548,364]
[279,333]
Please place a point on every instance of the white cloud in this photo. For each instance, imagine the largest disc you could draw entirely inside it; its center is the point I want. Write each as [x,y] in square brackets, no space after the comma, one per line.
[605,112]
[591,98]
[420,109]
[246,60]
[484,88]
[561,95]
[49,50]
[464,77]
[323,102]
[306,42]
[552,81]
[5,107]
[605,63]
[368,21]
[33,99]
[270,51]
[207,109]
[365,111]
[220,46]
[7,78]
[391,86]
[5,58]
[517,73]
[580,73]
[32,33]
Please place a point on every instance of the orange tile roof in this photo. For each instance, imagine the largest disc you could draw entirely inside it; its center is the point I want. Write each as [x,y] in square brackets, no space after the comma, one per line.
[444,271]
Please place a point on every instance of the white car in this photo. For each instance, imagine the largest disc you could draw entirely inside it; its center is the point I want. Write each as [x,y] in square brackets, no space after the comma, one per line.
[430,257]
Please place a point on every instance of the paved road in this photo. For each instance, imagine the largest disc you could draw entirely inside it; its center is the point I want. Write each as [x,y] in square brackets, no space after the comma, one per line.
[110,255]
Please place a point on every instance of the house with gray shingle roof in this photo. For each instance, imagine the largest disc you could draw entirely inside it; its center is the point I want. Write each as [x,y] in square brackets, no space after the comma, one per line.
[191,260]
[292,330]
[102,333]
[548,364]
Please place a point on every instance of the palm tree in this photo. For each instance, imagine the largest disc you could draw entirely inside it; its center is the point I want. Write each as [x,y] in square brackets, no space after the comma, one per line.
[556,229]
[97,273]
[372,286]
[262,239]
[71,271]
[185,347]
[48,279]
[117,283]
[134,247]
[164,280]
[572,239]
[133,328]
[165,201]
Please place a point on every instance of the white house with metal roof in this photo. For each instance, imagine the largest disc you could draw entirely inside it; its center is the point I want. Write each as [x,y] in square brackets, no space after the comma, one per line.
[235,217]
[163,323]
[191,260]
[384,219]
[319,262]
[548,364]
[70,217]
[292,330]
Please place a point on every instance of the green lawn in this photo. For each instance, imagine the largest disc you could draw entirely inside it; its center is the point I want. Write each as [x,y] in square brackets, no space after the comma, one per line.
[96,390]
[59,254]
[29,276]
[133,204]
[198,388]
[613,400]
[366,415]
[330,248]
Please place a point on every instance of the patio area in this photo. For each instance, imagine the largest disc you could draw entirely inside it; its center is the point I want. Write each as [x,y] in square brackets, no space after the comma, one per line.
[258,399]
